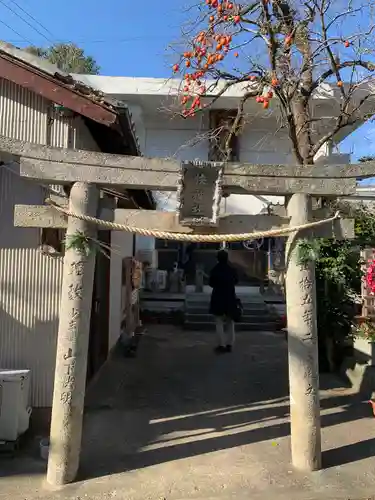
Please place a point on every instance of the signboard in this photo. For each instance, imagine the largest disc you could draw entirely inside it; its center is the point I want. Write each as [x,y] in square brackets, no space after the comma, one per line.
[199,193]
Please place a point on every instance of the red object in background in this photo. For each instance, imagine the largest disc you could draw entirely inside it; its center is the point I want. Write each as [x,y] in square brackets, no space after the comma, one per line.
[372,403]
[370,276]
[281,323]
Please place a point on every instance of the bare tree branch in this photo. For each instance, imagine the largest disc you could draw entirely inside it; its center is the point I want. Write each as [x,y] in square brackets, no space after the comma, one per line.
[286,51]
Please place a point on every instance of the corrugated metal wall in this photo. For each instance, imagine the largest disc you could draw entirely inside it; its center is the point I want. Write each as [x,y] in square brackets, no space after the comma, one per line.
[23,113]
[30,282]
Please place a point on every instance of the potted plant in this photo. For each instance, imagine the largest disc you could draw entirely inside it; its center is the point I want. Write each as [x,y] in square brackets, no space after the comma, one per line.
[364,338]
[364,328]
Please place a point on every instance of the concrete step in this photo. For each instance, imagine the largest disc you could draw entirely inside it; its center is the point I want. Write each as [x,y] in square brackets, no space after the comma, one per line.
[209,326]
[207,297]
[207,318]
[264,313]
[261,306]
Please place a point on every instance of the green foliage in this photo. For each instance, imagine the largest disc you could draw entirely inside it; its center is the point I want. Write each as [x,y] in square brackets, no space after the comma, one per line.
[366,158]
[338,279]
[80,242]
[338,264]
[37,51]
[364,227]
[85,245]
[68,57]
[365,330]
[308,251]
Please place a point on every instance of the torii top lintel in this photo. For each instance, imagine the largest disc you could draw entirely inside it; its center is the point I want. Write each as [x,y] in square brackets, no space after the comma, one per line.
[60,165]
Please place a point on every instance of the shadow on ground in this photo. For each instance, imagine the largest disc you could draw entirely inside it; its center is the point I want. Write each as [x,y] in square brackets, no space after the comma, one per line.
[180,422]
[178,400]
[24,461]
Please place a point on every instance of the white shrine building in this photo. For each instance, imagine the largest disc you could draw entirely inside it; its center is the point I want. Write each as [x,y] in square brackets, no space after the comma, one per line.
[161,133]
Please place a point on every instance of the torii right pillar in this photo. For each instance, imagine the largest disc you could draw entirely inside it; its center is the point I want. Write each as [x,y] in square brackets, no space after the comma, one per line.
[302,346]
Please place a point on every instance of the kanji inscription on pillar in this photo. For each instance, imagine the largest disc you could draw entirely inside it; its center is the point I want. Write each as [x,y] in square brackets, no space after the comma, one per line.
[77,268]
[199,193]
[74,291]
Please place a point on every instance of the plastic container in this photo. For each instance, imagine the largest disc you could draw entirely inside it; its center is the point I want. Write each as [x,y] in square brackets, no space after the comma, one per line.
[44,448]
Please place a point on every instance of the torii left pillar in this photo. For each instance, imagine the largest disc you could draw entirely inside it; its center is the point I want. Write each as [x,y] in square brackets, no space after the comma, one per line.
[72,343]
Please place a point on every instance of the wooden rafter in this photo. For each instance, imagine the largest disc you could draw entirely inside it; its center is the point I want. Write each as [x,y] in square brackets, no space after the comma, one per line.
[42,84]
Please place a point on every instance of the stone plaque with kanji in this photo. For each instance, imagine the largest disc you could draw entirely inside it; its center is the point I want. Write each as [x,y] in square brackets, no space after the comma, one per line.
[199,193]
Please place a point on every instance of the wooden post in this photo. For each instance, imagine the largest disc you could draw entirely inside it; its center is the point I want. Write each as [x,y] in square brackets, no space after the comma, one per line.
[302,347]
[72,344]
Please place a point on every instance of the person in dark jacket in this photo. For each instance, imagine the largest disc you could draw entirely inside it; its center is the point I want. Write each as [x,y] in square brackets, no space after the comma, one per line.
[223,306]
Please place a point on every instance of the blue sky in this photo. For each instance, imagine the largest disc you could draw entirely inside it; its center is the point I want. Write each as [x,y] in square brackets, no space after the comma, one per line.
[127,38]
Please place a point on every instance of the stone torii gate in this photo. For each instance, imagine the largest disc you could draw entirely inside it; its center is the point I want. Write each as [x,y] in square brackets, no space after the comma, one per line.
[198,213]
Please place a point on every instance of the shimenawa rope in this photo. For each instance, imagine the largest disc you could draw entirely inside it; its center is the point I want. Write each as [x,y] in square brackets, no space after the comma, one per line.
[200,238]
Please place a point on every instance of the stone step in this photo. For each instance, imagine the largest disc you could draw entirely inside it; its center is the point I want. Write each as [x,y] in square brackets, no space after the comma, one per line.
[208,318]
[261,306]
[198,297]
[209,326]
[206,296]
[264,313]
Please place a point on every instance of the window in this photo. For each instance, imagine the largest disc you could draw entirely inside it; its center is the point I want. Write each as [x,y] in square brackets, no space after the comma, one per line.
[51,239]
[221,126]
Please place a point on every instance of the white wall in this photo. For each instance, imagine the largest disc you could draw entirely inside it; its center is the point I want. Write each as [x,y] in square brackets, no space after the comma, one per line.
[260,142]
[168,136]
